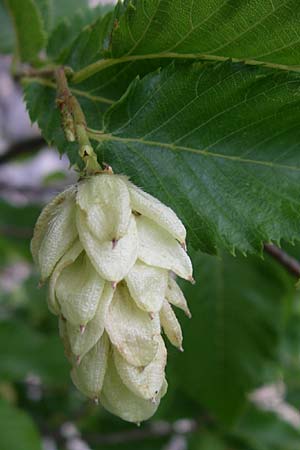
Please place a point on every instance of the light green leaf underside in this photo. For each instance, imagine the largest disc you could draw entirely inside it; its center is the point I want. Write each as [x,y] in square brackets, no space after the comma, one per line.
[237,328]
[221,144]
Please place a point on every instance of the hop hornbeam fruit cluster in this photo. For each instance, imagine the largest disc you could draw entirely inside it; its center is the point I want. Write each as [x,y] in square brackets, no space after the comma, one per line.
[110,252]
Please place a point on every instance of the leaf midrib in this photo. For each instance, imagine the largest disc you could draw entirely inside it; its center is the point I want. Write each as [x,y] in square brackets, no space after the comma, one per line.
[102,137]
[103,64]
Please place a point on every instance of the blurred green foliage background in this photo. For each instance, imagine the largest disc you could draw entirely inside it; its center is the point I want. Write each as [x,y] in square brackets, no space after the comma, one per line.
[235,387]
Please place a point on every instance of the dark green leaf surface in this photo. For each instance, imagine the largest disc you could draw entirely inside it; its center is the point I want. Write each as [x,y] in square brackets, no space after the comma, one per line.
[29,28]
[17,429]
[219,144]
[234,333]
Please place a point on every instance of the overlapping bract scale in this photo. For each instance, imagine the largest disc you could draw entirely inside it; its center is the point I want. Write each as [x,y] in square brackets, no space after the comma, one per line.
[111,253]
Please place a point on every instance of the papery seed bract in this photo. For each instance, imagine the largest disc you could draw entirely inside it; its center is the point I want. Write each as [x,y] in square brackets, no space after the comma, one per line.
[68,258]
[119,400]
[170,325]
[105,199]
[175,296]
[158,248]
[147,286]
[130,329]
[79,304]
[82,343]
[54,232]
[88,376]
[147,381]
[151,207]
[111,262]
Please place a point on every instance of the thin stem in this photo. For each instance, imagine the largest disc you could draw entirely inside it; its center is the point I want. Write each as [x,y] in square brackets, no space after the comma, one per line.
[103,64]
[74,123]
[22,71]
[287,261]
[26,146]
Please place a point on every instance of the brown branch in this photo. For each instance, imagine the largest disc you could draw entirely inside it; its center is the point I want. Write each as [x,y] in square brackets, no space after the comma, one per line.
[288,262]
[22,147]
[154,430]
[16,232]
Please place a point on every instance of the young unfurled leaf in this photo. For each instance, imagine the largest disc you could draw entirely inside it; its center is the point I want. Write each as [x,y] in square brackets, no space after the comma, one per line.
[29,28]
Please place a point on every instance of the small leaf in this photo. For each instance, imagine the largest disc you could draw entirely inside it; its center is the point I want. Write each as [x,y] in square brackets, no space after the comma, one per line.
[17,429]
[29,28]
[7,38]
[30,352]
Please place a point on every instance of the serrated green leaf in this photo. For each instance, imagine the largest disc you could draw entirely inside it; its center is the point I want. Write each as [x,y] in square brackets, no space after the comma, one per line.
[264,30]
[220,142]
[29,29]
[146,32]
[89,41]
[65,33]
[17,429]
[237,306]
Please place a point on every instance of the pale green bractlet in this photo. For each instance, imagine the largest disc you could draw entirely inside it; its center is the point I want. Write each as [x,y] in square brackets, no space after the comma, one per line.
[111,253]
